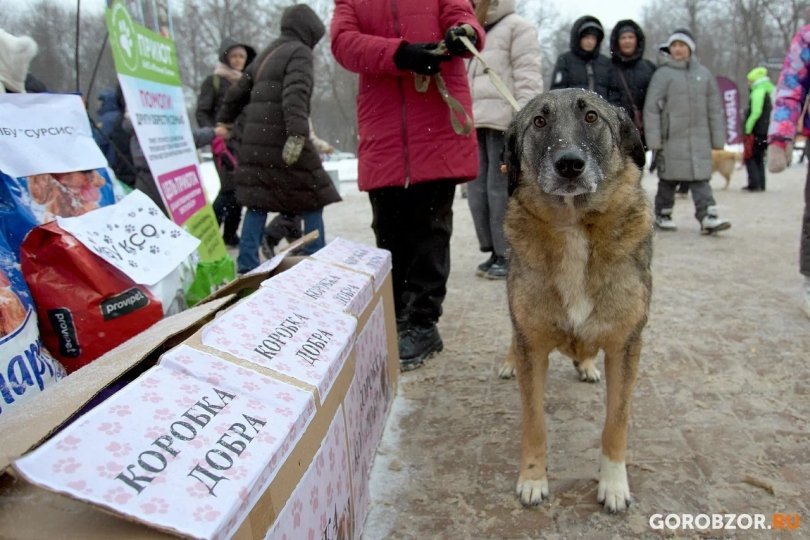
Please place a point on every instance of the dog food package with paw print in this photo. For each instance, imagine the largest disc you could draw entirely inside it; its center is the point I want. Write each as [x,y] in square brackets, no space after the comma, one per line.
[26,368]
[190,447]
[94,278]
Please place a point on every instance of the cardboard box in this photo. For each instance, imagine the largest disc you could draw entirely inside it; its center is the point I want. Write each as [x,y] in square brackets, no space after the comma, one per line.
[332,347]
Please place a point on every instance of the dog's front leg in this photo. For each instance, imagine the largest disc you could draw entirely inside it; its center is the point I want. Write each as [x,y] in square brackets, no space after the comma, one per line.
[621,365]
[531,362]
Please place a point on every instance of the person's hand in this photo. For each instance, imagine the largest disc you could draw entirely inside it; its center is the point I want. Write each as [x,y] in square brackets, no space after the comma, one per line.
[779,155]
[221,130]
[419,57]
[292,149]
[452,39]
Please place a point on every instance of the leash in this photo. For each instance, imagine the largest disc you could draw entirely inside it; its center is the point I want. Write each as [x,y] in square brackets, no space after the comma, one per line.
[459,119]
[493,77]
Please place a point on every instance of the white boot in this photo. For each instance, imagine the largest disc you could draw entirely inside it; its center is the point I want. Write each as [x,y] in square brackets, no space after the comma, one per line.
[663,220]
[711,224]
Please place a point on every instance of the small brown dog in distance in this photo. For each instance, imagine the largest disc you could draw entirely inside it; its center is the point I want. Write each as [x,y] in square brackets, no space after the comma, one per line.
[580,230]
[724,163]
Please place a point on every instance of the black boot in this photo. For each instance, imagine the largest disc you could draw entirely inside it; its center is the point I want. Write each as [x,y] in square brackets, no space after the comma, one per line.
[497,269]
[483,268]
[417,344]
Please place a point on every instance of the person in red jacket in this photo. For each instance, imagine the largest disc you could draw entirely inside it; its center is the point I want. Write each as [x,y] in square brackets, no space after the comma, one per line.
[411,156]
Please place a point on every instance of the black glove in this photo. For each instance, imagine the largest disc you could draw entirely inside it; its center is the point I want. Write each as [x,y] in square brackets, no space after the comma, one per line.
[418,57]
[452,41]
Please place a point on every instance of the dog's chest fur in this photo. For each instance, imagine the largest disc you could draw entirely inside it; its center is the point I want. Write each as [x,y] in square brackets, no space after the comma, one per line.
[570,278]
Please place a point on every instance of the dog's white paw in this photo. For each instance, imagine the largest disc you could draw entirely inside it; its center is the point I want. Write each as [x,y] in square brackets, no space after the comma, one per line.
[506,371]
[532,492]
[613,491]
[588,372]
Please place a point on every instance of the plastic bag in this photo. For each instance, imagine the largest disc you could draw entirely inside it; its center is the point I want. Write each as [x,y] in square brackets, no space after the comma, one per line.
[86,307]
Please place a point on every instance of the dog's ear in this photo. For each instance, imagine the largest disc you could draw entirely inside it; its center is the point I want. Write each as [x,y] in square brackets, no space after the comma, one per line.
[511,157]
[631,144]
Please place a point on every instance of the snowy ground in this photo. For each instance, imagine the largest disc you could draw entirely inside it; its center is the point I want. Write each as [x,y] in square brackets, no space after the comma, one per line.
[721,408]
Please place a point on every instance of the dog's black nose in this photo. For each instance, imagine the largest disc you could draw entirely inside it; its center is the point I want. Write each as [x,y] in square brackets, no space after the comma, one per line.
[569,165]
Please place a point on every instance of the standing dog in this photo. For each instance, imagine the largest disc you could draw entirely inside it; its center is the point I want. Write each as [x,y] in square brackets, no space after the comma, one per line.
[580,230]
[724,162]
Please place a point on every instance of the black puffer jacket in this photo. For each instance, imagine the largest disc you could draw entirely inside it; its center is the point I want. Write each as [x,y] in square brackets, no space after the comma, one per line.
[214,87]
[275,98]
[637,71]
[571,69]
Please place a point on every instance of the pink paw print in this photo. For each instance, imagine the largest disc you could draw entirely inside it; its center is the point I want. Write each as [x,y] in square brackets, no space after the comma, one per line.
[283,367]
[117,496]
[286,412]
[150,382]
[155,506]
[68,443]
[238,473]
[185,401]
[118,450]
[155,431]
[214,380]
[163,414]
[267,437]
[151,397]
[110,428]
[298,507]
[314,501]
[79,486]
[206,513]
[285,396]
[120,410]
[190,388]
[110,470]
[250,386]
[319,463]
[198,490]
[184,359]
[66,466]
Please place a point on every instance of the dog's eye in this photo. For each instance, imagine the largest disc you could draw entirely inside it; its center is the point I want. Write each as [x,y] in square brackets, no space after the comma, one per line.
[591,117]
[539,121]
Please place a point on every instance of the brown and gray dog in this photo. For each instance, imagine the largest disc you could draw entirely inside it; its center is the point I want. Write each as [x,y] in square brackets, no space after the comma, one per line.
[580,229]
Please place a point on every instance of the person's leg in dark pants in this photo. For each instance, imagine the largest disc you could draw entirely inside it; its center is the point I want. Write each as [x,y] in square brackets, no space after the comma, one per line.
[416,224]
[478,195]
[252,231]
[229,214]
[497,199]
[755,165]
[664,203]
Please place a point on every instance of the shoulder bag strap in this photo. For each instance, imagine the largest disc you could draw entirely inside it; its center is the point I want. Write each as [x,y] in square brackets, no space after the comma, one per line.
[620,73]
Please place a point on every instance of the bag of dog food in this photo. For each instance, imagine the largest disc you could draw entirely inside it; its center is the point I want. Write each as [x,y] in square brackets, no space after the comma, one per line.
[26,368]
[85,305]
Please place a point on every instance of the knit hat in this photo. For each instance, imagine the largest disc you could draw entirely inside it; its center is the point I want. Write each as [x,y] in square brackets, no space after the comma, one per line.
[593,29]
[683,35]
[756,74]
[625,30]
[16,54]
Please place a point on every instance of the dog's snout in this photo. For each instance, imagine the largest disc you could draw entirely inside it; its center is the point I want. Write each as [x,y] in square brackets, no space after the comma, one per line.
[569,164]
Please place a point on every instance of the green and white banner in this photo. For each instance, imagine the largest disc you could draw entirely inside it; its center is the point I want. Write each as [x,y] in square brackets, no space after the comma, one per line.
[150,80]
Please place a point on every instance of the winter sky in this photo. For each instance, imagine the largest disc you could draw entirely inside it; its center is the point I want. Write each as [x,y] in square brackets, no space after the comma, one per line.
[607,11]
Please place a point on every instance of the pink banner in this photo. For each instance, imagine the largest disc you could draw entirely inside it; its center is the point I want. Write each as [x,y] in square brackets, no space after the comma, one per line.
[183,192]
[731,105]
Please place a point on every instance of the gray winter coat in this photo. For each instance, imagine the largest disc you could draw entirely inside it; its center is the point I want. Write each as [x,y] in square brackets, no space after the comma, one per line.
[513,53]
[683,119]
